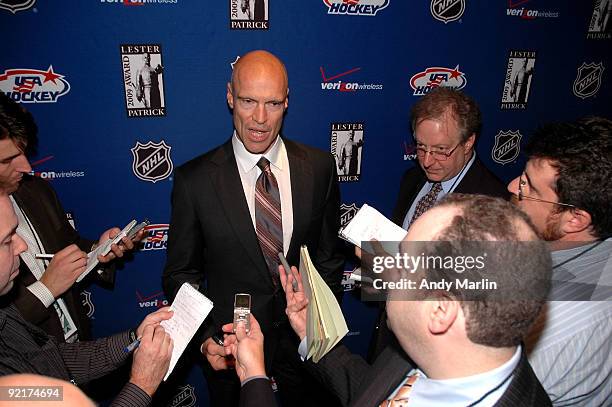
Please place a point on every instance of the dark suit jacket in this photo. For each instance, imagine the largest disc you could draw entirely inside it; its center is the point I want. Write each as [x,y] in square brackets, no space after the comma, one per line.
[212,241]
[356,383]
[257,393]
[477,180]
[42,207]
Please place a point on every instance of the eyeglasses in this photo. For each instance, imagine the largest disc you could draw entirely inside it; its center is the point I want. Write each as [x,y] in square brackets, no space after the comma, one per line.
[521,196]
[436,155]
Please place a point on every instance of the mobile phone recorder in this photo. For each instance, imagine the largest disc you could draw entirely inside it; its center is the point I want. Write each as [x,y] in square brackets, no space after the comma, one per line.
[242,310]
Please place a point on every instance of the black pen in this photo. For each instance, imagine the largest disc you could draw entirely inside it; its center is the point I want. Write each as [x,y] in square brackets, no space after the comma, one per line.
[218,338]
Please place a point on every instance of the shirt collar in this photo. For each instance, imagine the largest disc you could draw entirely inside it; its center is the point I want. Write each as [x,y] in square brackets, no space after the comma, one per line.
[466,389]
[248,160]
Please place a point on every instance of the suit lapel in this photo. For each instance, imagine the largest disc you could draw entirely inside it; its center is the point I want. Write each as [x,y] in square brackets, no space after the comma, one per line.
[301,193]
[228,186]
[45,230]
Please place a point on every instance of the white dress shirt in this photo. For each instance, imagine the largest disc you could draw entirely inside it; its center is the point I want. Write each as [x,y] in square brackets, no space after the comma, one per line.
[249,172]
[448,186]
[463,391]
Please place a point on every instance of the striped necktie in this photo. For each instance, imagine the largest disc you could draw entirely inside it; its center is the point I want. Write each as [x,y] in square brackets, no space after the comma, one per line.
[269,225]
[400,399]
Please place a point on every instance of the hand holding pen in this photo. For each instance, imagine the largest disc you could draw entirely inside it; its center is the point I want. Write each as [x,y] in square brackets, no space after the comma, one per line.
[153,319]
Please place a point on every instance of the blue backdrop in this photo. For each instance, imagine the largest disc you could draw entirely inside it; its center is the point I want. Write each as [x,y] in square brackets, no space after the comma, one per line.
[76,65]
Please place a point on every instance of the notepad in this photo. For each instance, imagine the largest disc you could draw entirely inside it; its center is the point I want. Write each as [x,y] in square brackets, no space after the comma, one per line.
[325,324]
[104,249]
[191,308]
[369,224]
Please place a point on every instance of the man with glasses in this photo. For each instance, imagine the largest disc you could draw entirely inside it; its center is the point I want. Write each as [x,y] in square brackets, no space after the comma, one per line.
[566,189]
[445,125]
[235,208]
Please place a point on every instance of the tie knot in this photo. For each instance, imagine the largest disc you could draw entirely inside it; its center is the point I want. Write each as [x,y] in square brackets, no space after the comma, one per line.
[437,187]
[263,164]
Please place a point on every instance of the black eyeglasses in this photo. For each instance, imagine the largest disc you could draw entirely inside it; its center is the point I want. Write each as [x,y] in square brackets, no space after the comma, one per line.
[522,196]
[436,155]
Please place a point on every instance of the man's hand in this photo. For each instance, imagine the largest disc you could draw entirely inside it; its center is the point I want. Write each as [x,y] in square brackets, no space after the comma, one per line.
[296,301]
[63,270]
[216,356]
[151,359]
[247,349]
[117,250]
[154,319]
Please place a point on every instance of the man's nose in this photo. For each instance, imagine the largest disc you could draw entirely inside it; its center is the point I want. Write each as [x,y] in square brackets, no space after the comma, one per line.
[427,159]
[20,245]
[260,115]
[22,164]
[513,186]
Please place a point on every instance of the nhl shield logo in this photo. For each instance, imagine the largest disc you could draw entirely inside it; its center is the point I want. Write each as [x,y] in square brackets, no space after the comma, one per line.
[507,146]
[447,10]
[588,80]
[185,397]
[16,5]
[152,161]
[347,212]
[88,303]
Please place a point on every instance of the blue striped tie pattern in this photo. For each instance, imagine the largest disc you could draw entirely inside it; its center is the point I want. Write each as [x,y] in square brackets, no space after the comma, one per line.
[269,224]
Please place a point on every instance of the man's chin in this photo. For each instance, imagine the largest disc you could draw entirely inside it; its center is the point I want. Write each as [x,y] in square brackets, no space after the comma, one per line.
[6,288]
[10,188]
[435,177]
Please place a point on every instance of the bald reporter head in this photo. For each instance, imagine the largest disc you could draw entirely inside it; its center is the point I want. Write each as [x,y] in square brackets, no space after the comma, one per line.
[69,394]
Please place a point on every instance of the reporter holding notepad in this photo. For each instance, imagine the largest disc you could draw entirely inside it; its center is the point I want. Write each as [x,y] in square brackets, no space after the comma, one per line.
[46,294]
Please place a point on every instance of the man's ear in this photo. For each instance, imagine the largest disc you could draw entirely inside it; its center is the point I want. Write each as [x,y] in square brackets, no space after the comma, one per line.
[443,313]
[287,99]
[230,96]
[575,221]
[469,143]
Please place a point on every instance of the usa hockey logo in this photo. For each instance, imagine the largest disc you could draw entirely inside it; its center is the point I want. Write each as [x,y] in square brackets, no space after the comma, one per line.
[16,5]
[423,82]
[355,7]
[155,237]
[447,10]
[588,79]
[507,146]
[152,161]
[33,85]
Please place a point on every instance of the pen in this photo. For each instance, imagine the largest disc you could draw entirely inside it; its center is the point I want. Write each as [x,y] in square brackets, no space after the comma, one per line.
[132,346]
[218,338]
[44,256]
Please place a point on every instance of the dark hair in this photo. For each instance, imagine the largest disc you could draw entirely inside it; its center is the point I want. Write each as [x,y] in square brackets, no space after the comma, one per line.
[581,152]
[441,100]
[16,123]
[516,260]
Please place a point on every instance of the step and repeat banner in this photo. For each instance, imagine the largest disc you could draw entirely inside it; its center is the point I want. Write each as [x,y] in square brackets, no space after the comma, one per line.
[124,91]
